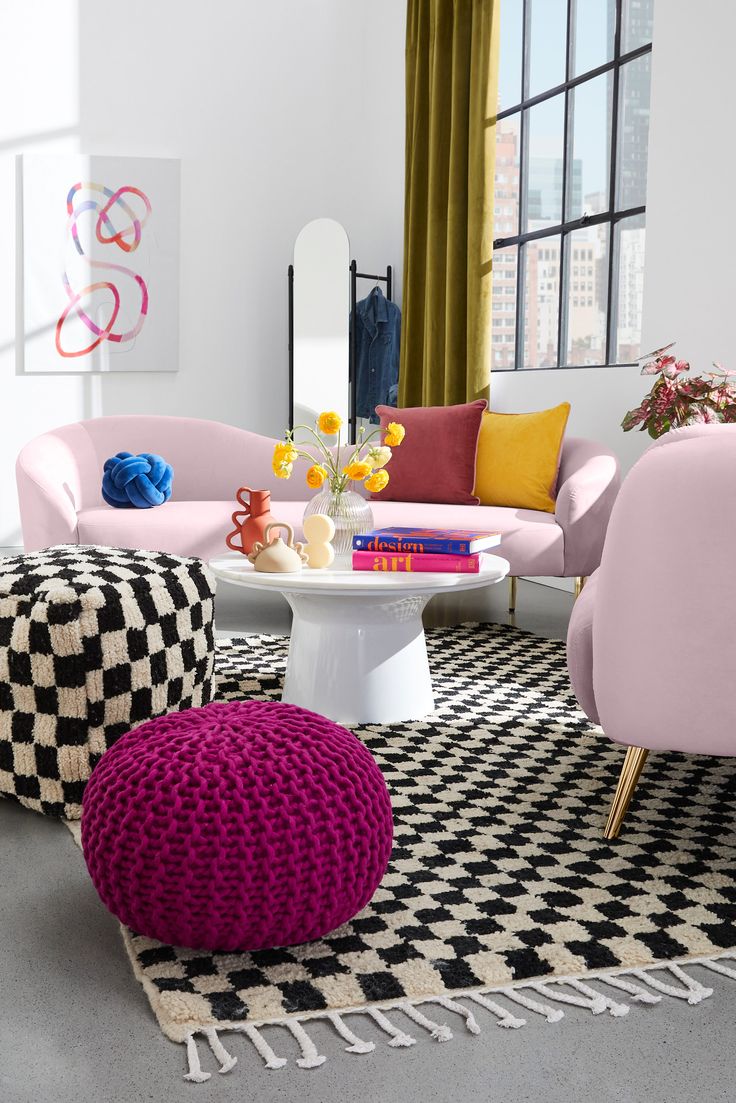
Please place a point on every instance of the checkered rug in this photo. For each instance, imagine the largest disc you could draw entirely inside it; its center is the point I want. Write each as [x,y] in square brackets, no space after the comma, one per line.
[500,881]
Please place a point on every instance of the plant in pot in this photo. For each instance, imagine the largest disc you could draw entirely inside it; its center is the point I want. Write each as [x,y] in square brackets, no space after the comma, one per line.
[678,399]
[333,471]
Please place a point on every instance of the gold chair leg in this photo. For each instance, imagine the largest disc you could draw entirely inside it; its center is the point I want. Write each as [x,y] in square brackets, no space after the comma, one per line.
[630,771]
[512,593]
[580,581]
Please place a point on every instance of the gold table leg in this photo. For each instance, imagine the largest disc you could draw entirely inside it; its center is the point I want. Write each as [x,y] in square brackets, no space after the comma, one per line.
[512,593]
[630,771]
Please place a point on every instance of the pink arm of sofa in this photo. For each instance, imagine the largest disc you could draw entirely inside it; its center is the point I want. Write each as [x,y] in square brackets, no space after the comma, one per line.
[47,477]
[588,483]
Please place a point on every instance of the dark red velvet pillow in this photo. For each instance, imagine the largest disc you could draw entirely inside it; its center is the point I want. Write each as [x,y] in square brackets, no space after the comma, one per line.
[436,460]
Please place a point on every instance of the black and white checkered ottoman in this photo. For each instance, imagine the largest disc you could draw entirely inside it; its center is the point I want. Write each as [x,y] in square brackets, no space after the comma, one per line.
[93,641]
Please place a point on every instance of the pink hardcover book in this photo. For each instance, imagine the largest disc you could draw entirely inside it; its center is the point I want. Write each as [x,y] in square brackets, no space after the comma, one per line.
[401,561]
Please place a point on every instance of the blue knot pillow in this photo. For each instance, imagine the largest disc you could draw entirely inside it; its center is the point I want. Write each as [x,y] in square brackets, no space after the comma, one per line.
[141,481]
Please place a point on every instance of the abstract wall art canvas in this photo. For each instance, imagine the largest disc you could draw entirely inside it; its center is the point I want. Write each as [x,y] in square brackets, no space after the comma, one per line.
[100,251]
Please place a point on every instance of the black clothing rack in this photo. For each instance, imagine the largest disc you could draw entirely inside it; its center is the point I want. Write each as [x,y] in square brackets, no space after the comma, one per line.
[355,275]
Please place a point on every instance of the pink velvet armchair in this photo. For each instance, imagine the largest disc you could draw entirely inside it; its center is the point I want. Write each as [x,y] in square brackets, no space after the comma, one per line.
[59,476]
[652,638]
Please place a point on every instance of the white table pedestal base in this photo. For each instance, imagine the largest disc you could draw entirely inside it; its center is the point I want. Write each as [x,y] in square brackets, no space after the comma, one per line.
[357,652]
[361,659]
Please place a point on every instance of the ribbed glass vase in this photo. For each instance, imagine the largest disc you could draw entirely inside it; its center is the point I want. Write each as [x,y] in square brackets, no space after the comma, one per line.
[352,515]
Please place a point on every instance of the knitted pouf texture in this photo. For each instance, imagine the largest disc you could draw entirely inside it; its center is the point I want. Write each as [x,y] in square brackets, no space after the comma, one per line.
[94,641]
[238,826]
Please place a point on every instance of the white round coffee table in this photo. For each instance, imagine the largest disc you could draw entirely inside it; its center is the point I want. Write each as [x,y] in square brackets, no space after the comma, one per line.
[357,652]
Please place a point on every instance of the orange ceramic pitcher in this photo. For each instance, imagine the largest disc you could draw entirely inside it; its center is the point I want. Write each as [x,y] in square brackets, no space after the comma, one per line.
[250,521]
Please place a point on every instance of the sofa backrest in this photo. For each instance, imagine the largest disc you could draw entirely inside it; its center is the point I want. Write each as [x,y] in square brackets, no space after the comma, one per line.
[210,459]
[664,631]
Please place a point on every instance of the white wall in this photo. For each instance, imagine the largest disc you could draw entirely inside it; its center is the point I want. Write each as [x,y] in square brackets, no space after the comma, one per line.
[39,96]
[280,111]
[690,285]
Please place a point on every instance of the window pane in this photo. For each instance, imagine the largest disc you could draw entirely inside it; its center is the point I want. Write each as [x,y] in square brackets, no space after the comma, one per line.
[594,26]
[509,71]
[633,136]
[544,186]
[636,26]
[506,201]
[548,35]
[586,295]
[629,240]
[503,322]
[589,180]
[541,302]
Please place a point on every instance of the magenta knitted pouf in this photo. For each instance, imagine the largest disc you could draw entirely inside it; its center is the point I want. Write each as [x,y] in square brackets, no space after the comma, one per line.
[237,826]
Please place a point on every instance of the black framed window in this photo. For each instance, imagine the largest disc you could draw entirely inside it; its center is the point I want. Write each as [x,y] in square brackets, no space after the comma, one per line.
[572,131]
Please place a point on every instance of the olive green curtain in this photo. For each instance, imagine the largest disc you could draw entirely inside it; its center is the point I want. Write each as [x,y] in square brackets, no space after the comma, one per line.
[451,90]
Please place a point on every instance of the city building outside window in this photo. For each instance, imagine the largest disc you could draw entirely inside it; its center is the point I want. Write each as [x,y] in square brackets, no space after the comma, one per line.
[570,186]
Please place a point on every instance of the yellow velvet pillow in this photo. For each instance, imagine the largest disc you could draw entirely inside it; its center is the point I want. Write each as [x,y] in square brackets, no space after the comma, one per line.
[518,458]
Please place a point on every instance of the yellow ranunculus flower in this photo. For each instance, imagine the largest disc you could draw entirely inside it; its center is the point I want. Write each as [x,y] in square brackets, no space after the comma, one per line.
[329,423]
[357,471]
[395,433]
[377,481]
[378,456]
[316,475]
[284,452]
[284,455]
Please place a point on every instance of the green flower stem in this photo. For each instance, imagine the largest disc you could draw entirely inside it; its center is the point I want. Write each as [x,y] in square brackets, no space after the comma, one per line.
[305,455]
[320,443]
[362,443]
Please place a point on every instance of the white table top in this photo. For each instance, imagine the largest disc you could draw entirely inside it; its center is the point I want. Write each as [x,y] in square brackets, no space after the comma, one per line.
[234,567]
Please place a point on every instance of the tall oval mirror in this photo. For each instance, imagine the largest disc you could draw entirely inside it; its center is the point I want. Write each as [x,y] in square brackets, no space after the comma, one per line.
[321,321]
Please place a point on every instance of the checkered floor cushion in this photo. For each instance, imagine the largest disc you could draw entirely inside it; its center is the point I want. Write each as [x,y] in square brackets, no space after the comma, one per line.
[93,641]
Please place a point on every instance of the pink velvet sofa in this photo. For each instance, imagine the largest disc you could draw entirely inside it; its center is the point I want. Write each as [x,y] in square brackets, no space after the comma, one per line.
[59,476]
[652,637]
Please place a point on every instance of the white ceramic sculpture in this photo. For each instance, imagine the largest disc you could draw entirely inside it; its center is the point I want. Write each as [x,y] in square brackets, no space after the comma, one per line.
[319,530]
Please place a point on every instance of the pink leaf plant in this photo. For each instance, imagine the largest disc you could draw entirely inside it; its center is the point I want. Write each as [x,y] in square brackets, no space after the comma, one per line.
[676,399]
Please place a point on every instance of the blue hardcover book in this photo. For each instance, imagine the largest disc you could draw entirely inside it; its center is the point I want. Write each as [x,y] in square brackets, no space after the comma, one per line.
[426,541]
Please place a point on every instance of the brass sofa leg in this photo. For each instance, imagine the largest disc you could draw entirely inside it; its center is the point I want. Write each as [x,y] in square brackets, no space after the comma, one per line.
[630,771]
[512,593]
[580,581]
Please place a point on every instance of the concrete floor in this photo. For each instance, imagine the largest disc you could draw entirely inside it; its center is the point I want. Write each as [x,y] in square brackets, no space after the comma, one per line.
[75,1026]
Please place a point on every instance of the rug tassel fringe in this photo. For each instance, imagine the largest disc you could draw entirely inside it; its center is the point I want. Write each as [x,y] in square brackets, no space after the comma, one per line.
[612,1006]
[505,1018]
[398,1037]
[637,993]
[551,1014]
[310,1058]
[439,1031]
[194,1074]
[593,1003]
[718,967]
[471,1022]
[640,985]
[693,991]
[227,1061]
[357,1045]
[263,1048]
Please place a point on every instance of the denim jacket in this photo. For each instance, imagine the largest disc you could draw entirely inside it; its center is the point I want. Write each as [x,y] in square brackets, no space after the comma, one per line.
[377,339]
